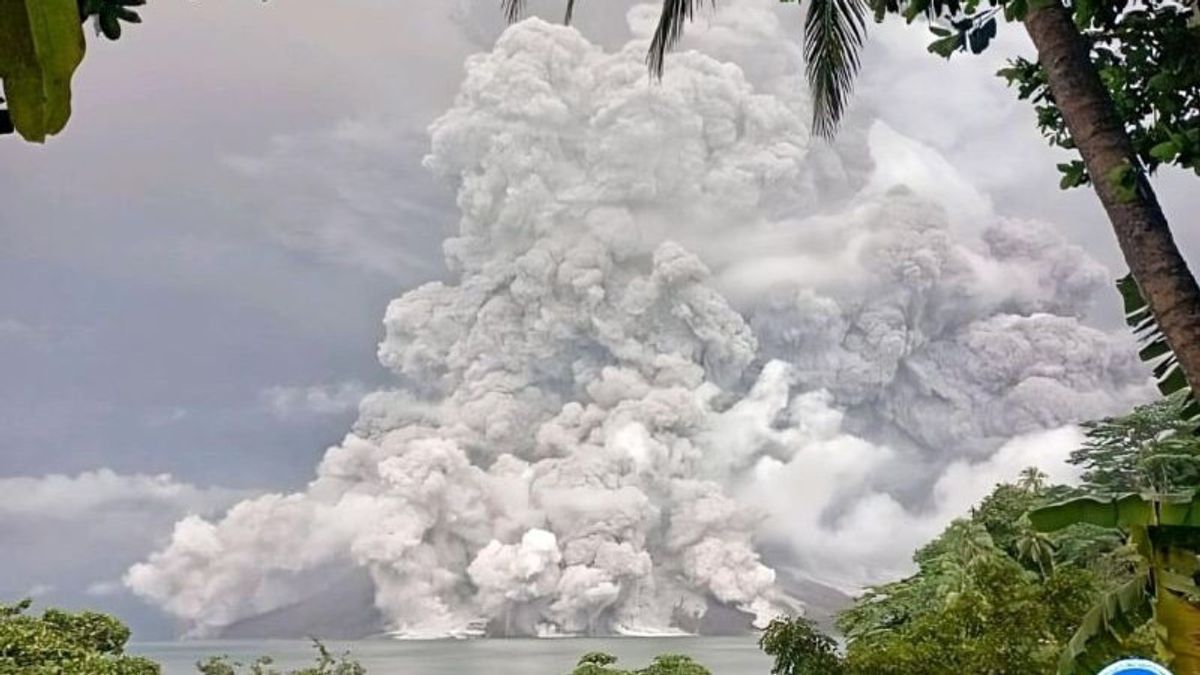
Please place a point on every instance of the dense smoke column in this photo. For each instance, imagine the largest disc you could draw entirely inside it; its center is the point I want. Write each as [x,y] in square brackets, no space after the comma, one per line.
[677,329]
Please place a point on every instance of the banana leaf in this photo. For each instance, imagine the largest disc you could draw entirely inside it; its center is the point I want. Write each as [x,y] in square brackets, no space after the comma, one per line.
[1179,622]
[41,44]
[1104,627]
[1124,511]
[1155,351]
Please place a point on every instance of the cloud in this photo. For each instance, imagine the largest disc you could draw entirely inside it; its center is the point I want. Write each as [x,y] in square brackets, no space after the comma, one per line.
[354,195]
[664,298]
[827,507]
[166,417]
[333,399]
[70,533]
[16,330]
[38,590]
[102,589]
[103,491]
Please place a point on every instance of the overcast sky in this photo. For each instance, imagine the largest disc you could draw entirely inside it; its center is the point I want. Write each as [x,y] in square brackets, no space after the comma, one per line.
[192,276]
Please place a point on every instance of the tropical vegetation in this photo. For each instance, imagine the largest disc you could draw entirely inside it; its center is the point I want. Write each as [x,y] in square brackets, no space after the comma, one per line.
[1041,578]
[325,664]
[64,643]
[600,663]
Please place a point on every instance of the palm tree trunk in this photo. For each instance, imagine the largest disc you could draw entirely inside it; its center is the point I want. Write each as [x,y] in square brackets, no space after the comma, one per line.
[1145,238]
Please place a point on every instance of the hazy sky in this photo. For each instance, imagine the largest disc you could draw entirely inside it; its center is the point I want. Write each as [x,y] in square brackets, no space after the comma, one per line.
[192,276]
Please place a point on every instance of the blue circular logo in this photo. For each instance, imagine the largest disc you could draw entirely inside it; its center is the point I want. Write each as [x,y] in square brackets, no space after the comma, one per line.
[1135,667]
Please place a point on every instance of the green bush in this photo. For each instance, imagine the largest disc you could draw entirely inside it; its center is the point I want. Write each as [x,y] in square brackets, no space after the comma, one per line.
[325,664]
[599,663]
[63,643]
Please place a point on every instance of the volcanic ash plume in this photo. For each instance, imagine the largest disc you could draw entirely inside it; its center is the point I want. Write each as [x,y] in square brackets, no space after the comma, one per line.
[679,331]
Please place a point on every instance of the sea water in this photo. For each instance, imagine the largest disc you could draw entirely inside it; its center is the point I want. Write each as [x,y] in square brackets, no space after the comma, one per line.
[722,655]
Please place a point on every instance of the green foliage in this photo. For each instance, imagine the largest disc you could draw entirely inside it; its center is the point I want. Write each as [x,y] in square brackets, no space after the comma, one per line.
[1147,54]
[1152,449]
[974,602]
[1107,626]
[799,648]
[599,663]
[63,643]
[40,47]
[1155,351]
[1000,614]
[1148,57]
[325,664]
[981,614]
[108,15]
[673,664]
[991,592]
[1164,530]
[994,595]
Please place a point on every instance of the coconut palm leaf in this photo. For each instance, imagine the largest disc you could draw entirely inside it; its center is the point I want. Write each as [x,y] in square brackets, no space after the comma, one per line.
[834,33]
[675,13]
[1155,351]
[1036,548]
[513,9]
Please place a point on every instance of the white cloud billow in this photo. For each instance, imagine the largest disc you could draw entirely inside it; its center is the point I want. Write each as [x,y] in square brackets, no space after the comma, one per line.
[332,399]
[104,493]
[679,329]
[80,532]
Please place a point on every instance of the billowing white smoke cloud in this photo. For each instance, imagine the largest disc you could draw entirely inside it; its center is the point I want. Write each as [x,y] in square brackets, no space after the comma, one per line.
[68,531]
[679,330]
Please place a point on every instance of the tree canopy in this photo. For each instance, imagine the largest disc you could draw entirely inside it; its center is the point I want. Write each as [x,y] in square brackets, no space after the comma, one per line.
[65,643]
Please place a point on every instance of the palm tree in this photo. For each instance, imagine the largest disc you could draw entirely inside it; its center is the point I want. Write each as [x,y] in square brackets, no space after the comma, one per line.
[834,33]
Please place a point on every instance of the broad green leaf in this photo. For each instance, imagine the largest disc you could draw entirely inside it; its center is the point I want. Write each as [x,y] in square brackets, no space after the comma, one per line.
[946,46]
[1124,511]
[914,9]
[41,44]
[1179,511]
[1085,11]
[1117,614]
[1015,10]
[1165,151]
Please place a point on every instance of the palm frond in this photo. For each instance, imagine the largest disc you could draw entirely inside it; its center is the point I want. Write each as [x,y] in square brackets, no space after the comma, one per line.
[513,9]
[834,33]
[1155,351]
[675,13]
